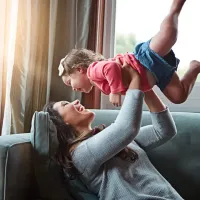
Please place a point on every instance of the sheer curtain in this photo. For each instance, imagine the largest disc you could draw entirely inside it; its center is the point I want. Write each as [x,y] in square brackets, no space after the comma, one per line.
[8,23]
[36,35]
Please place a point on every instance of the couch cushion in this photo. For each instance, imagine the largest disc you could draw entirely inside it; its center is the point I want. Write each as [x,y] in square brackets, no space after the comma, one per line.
[178,160]
[16,172]
[48,173]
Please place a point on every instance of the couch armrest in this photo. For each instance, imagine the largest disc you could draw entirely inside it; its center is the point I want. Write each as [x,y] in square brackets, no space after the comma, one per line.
[16,172]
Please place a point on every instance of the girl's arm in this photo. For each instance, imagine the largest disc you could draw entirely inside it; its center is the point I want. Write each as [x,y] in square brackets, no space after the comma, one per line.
[163,126]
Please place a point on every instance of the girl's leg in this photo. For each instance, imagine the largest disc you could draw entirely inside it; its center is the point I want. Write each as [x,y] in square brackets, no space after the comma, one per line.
[177,91]
[163,41]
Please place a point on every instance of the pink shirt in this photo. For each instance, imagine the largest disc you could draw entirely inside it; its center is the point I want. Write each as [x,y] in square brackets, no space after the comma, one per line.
[106,74]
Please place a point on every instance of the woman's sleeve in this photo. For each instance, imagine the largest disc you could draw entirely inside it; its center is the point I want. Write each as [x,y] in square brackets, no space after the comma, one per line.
[162,129]
[93,152]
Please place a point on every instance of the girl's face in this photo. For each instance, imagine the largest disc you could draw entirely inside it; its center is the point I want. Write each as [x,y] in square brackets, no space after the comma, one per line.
[78,80]
[74,114]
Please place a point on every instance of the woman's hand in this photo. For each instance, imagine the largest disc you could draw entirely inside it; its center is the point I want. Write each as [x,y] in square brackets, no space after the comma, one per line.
[153,102]
[115,99]
[130,76]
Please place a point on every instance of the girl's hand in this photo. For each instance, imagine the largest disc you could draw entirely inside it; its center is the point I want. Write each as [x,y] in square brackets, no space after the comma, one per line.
[115,99]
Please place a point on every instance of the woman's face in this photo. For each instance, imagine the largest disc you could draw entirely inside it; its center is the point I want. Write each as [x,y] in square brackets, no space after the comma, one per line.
[74,114]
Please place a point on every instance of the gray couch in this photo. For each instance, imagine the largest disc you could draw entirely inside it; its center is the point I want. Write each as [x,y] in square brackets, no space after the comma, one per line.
[178,160]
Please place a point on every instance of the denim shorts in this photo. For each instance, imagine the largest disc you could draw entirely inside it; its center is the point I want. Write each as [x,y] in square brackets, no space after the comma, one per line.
[161,67]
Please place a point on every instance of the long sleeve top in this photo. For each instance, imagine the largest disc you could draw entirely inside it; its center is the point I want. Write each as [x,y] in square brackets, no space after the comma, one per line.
[107,74]
[112,178]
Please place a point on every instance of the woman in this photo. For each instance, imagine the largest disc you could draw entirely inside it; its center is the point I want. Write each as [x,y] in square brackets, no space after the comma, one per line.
[112,162]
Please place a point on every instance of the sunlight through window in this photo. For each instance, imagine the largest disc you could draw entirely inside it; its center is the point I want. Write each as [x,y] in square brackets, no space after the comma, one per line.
[138,21]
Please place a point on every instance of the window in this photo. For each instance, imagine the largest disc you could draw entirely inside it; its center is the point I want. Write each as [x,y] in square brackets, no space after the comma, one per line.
[138,21]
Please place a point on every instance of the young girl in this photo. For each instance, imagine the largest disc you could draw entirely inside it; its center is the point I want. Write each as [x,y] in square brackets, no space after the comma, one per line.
[154,60]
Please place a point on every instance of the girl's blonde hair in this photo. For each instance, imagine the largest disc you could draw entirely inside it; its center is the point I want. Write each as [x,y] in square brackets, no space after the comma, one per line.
[78,58]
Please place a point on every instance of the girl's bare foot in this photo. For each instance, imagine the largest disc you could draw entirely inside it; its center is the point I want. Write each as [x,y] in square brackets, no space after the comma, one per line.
[195,65]
[177,6]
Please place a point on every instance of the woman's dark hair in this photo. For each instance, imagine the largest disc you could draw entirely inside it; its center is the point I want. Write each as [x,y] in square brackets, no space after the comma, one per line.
[67,138]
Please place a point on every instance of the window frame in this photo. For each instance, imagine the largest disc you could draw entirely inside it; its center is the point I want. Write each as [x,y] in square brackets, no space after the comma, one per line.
[191,104]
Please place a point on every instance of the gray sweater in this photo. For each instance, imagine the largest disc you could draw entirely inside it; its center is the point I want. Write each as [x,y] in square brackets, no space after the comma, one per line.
[112,178]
